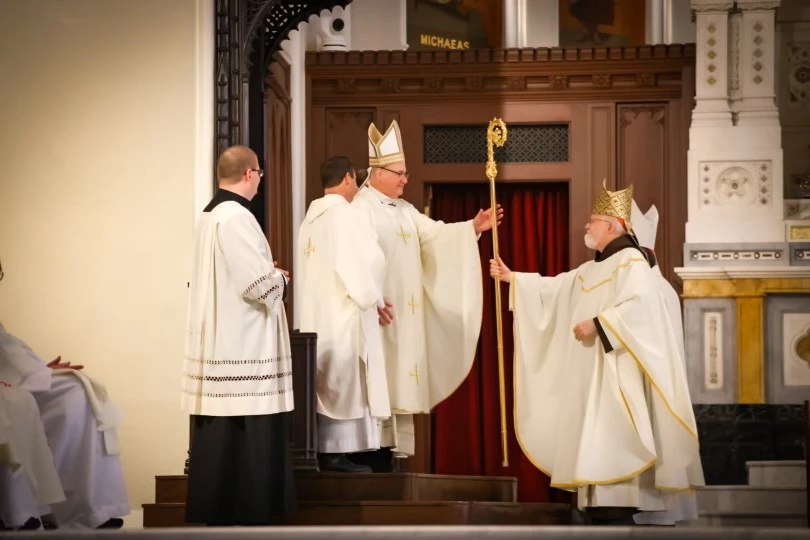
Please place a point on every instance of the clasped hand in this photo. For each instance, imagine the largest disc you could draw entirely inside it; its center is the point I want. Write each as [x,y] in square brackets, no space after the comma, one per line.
[385,313]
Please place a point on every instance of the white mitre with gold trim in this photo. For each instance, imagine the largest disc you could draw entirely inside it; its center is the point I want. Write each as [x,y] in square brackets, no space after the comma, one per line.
[645,226]
[384,149]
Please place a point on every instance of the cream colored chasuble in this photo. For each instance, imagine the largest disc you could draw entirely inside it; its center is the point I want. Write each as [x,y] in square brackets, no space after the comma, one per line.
[618,426]
[433,279]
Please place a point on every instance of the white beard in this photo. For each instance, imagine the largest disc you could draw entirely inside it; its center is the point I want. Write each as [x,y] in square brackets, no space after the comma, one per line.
[590,241]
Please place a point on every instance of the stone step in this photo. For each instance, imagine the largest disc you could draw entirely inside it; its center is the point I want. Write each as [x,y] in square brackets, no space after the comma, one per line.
[751,500]
[336,513]
[787,473]
[771,520]
[311,486]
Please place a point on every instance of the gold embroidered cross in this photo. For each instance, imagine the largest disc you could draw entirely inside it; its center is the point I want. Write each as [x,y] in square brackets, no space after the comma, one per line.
[413,305]
[402,234]
[415,373]
[310,248]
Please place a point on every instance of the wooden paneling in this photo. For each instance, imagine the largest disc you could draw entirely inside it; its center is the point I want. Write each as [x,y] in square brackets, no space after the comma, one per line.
[278,176]
[645,142]
[336,131]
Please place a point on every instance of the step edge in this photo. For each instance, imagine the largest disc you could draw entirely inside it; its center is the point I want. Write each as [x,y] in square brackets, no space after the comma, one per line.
[777,463]
[748,488]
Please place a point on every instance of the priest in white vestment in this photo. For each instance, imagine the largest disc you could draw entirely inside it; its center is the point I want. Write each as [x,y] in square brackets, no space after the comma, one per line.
[601,398]
[338,288]
[237,381]
[433,280]
[79,422]
[683,507]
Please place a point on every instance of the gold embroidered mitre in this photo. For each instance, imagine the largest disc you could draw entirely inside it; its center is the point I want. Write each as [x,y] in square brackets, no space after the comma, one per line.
[384,149]
[617,204]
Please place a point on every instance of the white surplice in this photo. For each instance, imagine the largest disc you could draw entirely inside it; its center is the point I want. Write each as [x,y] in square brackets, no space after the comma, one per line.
[238,359]
[433,280]
[79,421]
[618,426]
[338,287]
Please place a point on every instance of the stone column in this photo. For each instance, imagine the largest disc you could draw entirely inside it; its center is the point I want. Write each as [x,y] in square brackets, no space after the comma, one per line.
[757,60]
[736,252]
[510,24]
[655,21]
[711,77]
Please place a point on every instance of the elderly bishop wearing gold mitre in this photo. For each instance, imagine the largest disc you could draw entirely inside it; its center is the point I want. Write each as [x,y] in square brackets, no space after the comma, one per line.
[432,278]
[601,398]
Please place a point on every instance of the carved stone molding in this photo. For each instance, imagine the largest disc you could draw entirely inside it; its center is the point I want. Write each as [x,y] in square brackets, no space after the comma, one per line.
[711,5]
[735,183]
[648,72]
[757,5]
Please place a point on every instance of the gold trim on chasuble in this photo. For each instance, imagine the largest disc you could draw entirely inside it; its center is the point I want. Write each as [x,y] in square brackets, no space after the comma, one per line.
[580,481]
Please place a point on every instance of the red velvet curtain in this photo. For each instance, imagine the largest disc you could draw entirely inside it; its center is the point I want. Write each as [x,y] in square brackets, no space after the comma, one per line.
[533,237]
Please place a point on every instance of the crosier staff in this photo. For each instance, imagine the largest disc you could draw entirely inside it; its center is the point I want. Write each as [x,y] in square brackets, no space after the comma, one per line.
[496,136]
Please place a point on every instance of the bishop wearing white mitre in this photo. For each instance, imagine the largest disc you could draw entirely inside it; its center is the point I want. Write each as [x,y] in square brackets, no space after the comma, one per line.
[432,279]
[601,398]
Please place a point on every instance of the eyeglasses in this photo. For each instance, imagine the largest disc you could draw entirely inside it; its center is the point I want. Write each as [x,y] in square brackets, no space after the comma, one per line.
[404,174]
[258,171]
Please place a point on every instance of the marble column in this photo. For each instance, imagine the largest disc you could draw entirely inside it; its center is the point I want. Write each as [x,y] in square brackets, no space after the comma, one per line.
[655,21]
[736,258]
[510,24]
[711,78]
[757,61]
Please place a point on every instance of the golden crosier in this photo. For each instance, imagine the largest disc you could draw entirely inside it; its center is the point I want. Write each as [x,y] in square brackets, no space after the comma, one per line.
[496,136]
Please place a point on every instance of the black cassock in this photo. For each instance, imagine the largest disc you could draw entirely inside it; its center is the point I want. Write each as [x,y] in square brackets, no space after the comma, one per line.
[240,471]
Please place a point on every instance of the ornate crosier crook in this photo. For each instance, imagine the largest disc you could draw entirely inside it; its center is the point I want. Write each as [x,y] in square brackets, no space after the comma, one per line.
[496,136]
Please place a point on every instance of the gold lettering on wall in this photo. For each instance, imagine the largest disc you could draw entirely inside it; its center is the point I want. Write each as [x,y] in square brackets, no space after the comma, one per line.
[443,42]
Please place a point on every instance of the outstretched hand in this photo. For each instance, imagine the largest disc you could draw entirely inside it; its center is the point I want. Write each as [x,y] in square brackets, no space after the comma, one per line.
[57,363]
[483,220]
[499,271]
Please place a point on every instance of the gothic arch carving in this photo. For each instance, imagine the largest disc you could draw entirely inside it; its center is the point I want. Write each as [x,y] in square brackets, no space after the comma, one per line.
[248,35]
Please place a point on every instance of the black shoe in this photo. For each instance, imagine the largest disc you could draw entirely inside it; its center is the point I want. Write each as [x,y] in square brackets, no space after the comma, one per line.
[31,525]
[112,523]
[380,461]
[340,463]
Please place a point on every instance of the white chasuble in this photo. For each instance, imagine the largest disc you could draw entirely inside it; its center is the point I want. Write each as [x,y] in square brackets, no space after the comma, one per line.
[339,286]
[433,280]
[617,426]
[237,353]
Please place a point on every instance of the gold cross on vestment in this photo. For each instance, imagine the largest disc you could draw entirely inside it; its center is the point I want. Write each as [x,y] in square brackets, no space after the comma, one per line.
[310,248]
[413,305]
[402,234]
[415,373]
